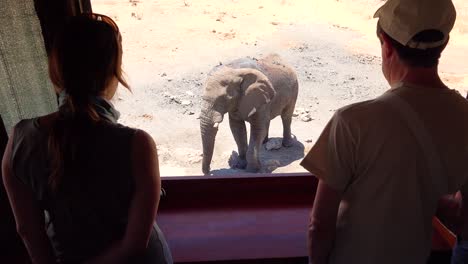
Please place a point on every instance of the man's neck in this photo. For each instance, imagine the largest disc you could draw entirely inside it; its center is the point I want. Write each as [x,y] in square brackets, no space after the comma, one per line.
[421,77]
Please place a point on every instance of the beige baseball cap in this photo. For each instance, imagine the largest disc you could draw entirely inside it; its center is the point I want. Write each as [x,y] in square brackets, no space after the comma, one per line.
[403,19]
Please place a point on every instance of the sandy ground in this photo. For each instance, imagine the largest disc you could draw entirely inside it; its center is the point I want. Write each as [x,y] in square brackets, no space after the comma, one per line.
[169,46]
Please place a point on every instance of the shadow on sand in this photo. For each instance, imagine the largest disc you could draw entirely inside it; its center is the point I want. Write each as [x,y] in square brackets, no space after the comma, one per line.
[270,159]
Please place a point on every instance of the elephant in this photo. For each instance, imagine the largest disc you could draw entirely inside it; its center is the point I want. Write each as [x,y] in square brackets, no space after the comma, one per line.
[252,90]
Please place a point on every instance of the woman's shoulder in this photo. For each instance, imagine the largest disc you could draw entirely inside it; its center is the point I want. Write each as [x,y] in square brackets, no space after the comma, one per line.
[142,138]
[33,126]
[119,129]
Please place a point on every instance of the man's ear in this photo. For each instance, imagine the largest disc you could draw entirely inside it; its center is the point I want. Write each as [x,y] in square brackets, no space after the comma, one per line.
[387,48]
[445,44]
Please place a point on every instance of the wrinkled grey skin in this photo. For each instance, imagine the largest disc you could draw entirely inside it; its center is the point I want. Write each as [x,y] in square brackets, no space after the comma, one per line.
[249,90]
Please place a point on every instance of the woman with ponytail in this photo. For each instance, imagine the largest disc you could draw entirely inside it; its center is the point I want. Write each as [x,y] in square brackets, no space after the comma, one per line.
[83,188]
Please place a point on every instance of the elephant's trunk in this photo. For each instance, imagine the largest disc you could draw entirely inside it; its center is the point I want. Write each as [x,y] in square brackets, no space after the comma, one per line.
[209,121]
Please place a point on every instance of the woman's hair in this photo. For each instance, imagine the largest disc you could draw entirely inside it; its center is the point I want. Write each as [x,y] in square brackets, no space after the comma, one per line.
[86,56]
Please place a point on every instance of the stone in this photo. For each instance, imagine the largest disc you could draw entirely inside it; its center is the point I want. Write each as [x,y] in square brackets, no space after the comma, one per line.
[274,144]
[306,118]
[175,100]
[186,102]
[301,111]
[309,140]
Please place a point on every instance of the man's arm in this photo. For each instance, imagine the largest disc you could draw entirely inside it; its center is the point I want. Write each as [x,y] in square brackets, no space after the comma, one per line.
[332,160]
[322,224]
[449,210]
[29,216]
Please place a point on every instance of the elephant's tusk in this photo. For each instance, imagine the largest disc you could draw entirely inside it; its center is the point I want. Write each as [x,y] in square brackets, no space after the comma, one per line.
[252,112]
[216,125]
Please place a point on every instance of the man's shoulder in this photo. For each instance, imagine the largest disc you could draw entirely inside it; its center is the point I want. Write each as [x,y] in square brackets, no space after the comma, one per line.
[359,110]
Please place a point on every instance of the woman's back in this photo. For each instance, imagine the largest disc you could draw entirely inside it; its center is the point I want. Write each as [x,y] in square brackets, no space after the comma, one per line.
[91,208]
[97,181]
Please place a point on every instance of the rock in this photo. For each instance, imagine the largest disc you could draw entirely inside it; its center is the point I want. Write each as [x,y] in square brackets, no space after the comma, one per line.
[166,94]
[309,140]
[300,112]
[147,116]
[175,100]
[186,102]
[306,118]
[189,93]
[235,162]
[273,144]
[189,112]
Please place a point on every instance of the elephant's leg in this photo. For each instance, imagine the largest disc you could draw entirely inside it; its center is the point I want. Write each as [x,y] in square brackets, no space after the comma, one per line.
[286,118]
[267,130]
[240,136]
[257,134]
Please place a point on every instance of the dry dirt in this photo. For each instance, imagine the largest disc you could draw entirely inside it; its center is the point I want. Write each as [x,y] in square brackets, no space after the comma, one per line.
[169,46]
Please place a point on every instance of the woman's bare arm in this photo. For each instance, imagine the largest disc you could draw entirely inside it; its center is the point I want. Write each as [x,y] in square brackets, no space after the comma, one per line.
[29,216]
[144,205]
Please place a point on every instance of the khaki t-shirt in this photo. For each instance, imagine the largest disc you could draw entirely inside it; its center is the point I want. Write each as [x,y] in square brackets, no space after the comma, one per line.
[368,151]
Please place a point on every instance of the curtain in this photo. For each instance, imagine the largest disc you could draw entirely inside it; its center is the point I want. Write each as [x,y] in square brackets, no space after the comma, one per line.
[25,88]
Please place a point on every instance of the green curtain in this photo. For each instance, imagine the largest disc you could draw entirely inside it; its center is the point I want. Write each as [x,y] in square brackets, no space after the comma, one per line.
[25,88]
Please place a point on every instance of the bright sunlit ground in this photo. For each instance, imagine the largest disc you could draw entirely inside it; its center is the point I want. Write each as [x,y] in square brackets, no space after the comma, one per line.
[169,46]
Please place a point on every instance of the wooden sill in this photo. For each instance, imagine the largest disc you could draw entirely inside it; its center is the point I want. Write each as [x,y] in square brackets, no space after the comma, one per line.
[251,218]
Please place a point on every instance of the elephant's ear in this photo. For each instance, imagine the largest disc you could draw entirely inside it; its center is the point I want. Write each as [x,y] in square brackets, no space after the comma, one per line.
[257,91]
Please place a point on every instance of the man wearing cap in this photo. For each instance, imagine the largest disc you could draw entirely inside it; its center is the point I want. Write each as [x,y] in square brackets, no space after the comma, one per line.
[383,164]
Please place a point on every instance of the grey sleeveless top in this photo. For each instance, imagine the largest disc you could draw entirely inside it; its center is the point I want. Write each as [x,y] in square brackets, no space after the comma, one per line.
[93,211]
